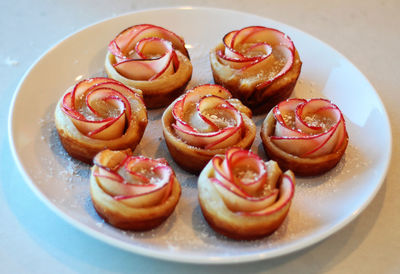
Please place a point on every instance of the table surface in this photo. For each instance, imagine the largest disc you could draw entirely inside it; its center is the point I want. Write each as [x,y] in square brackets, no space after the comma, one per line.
[33,239]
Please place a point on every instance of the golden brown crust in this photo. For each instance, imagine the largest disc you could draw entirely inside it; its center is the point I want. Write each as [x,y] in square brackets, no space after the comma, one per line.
[84,148]
[300,166]
[125,217]
[261,100]
[233,231]
[191,158]
[231,224]
[159,92]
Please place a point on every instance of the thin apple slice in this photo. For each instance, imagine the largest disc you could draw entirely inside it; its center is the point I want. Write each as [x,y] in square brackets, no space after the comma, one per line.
[80,89]
[258,52]
[258,34]
[285,115]
[238,203]
[99,107]
[144,52]
[145,69]
[286,193]
[241,193]
[135,181]
[242,168]
[209,121]
[315,127]
[235,63]
[282,55]
[125,39]
[111,130]
[147,199]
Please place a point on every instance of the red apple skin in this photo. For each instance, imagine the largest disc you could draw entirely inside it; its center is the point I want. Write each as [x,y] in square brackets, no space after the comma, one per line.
[264,95]
[300,166]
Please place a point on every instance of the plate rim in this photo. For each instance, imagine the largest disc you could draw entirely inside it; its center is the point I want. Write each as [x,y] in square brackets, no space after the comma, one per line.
[244,258]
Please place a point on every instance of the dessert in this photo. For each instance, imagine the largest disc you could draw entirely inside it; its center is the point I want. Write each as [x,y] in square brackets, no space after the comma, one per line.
[259,65]
[203,122]
[99,113]
[307,136]
[133,192]
[152,59]
[243,197]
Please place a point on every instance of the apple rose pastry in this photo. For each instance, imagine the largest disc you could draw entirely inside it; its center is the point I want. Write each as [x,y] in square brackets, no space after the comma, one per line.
[133,192]
[243,197]
[151,59]
[204,122]
[100,113]
[306,136]
[259,65]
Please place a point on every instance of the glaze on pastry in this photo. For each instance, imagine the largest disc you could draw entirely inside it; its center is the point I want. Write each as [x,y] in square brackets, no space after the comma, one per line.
[259,65]
[243,197]
[152,59]
[133,192]
[100,113]
[204,122]
[307,136]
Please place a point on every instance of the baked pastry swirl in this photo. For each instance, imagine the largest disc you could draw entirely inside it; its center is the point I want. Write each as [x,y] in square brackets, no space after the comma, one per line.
[243,197]
[259,65]
[307,136]
[203,122]
[133,192]
[99,113]
[152,59]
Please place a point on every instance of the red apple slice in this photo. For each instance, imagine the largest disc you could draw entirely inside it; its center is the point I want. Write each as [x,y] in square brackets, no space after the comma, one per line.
[138,69]
[285,115]
[317,127]
[286,192]
[235,63]
[146,199]
[124,40]
[185,110]
[122,188]
[258,51]
[98,107]
[238,203]
[146,52]
[208,121]
[151,48]
[282,55]
[316,115]
[243,194]
[242,168]
[111,130]
[259,34]
[135,181]
[81,88]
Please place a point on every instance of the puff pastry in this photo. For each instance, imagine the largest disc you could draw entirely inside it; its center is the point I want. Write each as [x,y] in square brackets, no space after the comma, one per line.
[152,59]
[307,136]
[133,192]
[99,113]
[259,65]
[243,197]
[203,122]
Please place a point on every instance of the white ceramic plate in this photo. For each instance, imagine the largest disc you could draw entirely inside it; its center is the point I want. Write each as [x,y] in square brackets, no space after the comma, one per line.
[322,205]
